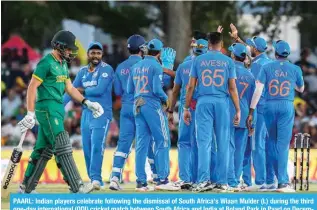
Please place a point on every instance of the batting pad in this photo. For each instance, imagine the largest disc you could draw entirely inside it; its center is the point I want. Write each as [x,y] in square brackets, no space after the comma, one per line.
[63,151]
[40,165]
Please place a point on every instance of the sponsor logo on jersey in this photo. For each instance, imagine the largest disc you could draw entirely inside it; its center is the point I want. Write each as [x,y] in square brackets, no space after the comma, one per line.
[61,78]
[89,83]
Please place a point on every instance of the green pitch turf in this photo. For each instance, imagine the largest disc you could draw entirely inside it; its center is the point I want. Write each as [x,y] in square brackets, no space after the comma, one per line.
[127,188]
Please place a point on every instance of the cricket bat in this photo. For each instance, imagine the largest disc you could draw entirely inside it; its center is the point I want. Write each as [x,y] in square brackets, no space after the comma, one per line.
[12,167]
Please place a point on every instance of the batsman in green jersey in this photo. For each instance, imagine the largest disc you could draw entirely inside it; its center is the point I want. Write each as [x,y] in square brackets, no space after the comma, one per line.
[49,83]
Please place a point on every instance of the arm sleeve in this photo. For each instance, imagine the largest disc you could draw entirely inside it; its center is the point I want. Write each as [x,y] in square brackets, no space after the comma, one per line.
[157,81]
[41,70]
[117,84]
[105,79]
[256,95]
[193,69]
[130,84]
[178,79]
[77,84]
[232,70]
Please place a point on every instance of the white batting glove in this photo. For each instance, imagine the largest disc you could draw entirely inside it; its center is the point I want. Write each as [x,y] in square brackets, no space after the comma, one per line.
[95,107]
[27,122]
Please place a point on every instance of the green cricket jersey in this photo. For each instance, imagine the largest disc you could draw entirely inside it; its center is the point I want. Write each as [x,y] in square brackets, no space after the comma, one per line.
[53,75]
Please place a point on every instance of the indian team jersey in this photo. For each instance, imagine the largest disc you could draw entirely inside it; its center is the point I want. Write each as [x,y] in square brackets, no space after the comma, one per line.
[182,79]
[246,85]
[143,75]
[53,75]
[121,80]
[280,78]
[212,71]
[256,65]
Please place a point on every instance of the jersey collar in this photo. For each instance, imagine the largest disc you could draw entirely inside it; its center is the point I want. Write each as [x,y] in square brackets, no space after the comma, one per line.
[239,63]
[88,67]
[149,57]
[135,57]
[262,55]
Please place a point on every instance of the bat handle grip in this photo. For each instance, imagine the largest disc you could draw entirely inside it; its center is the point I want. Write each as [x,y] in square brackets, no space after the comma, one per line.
[22,139]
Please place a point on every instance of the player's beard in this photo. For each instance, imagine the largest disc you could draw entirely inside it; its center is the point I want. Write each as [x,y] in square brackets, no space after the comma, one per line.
[94,61]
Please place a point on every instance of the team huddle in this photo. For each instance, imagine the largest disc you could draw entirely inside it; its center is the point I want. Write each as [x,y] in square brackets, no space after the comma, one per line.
[232,110]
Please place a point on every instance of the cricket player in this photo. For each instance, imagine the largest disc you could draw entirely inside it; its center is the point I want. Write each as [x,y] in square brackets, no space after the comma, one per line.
[187,145]
[196,35]
[258,47]
[49,82]
[239,134]
[280,78]
[145,81]
[96,81]
[214,74]
[127,121]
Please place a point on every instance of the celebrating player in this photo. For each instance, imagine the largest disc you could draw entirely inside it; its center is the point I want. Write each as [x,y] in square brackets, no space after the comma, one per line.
[96,81]
[239,134]
[186,139]
[280,79]
[49,82]
[151,122]
[127,122]
[258,47]
[215,76]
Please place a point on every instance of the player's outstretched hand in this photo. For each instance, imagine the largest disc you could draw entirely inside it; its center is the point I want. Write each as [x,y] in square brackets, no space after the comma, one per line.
[237,117]
[249,122]
[220,29]
[187,117]
[234,31]
[27,122]
[168,56]
[95,107]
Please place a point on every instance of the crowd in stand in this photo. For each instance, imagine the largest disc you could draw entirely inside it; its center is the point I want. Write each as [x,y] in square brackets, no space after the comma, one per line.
[16,72]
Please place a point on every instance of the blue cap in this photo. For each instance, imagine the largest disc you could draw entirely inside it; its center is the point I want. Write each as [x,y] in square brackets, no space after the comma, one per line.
[282,48]
[135,42]
[155,44]
[258,43]
[238,50]
[95,44]
[201,46]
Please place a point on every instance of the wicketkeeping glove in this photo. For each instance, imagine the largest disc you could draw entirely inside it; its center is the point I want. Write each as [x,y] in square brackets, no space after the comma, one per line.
[168,56]
[95,107]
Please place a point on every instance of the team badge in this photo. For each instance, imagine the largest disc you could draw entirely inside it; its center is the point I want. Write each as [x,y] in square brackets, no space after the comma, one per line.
[104,75]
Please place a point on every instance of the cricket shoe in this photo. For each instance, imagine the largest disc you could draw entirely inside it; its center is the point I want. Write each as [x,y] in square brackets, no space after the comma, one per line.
[114,184]
[285,188]
[271,187]
[21,190]
[234,189]
[94,185]
[256,188]
[204,186]
[167,186]
[143,187]
[220,188]
[184,185]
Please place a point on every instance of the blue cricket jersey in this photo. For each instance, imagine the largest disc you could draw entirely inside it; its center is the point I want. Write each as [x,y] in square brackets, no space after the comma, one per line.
[121,80]
[280,77]
[146,79]
[97,86]
[246,85]
[256,65]
[212,70]
[182,79]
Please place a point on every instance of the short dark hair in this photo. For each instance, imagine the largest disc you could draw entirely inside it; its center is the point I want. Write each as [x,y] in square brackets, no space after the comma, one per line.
[153,52]
[214,37]
[199,35]
[134,51]
[240,58]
